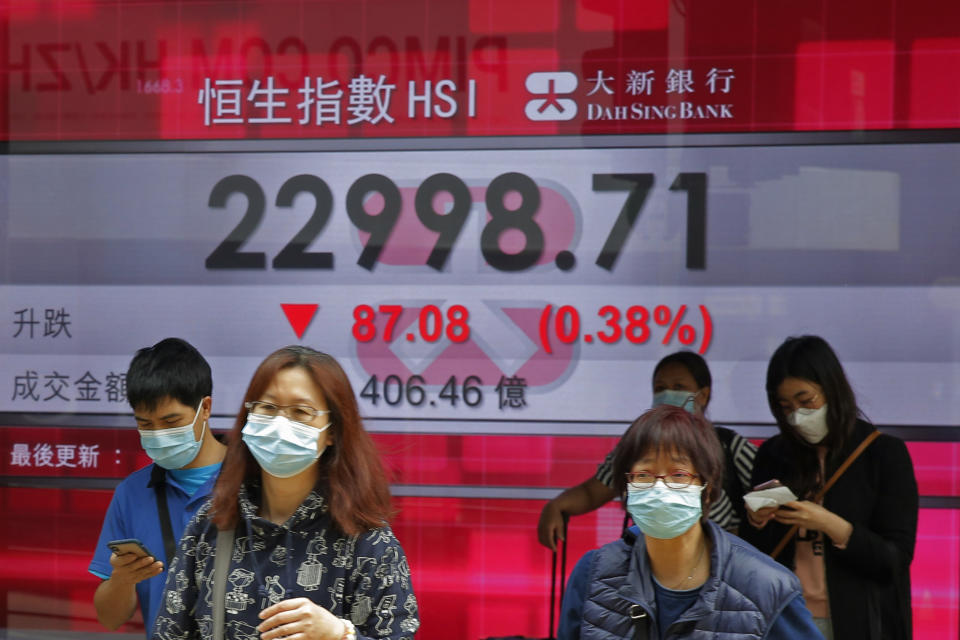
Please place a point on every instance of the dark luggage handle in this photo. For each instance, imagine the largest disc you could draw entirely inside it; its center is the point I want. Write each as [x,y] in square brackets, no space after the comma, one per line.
[554,605]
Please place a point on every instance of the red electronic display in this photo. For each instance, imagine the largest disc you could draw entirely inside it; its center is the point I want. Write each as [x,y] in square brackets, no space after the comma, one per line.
[497,215]
[254,70]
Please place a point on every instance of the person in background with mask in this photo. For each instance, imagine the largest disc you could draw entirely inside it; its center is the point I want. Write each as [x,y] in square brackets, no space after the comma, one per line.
[681,379]
[676,574]
[169,389]
[304,493]
[852,550]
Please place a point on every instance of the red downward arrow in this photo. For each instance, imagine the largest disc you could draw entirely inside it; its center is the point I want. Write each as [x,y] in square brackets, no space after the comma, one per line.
[299,316]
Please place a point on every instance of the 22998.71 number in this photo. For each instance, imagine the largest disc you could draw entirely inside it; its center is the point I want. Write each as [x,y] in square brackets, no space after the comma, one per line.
[448,225]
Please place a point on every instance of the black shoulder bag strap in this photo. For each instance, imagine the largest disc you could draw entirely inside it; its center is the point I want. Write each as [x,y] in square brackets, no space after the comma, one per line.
[158,478]
[221,562]
[638,615]
[641,622]
[820,494]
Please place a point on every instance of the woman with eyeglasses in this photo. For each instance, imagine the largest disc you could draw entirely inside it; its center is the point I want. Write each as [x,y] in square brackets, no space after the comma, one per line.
[852,550]
[304,492]
[681,379]
[678,574]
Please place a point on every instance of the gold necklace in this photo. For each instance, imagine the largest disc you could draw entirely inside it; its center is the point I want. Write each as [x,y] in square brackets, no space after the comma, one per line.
[693,571]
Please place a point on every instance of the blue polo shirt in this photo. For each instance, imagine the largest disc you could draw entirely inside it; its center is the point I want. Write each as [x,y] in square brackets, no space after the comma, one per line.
[133,514]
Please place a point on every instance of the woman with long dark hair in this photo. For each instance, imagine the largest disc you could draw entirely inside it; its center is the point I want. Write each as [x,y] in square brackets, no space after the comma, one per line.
[303,490]
[852,548]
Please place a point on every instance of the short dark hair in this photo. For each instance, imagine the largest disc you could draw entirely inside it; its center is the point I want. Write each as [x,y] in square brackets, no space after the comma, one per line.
[669,428]
[692,362]
[172,368]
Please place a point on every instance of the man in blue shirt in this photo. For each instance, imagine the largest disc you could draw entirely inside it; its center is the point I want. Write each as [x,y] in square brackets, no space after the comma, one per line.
[169,387]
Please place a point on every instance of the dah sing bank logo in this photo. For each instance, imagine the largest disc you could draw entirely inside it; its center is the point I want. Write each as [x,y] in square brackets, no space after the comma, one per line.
[549,86]
[640,94]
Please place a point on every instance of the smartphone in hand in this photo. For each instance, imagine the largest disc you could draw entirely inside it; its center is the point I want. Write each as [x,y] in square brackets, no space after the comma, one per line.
[771,493]
[769,484]
[130,545]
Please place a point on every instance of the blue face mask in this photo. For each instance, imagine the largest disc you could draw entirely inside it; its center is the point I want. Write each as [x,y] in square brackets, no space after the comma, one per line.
[676,398]
[282,447]
[173,448]
[662,512]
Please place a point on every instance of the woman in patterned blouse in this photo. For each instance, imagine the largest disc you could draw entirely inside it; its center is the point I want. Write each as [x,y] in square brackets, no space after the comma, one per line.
[304,491]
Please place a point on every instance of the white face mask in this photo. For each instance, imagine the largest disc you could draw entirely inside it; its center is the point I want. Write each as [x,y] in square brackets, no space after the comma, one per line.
[175,447]
[283,447]
[684,399]
[662,512]
[811,424]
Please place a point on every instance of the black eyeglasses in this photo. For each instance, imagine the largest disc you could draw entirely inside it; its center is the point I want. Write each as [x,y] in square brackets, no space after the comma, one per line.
[674,480]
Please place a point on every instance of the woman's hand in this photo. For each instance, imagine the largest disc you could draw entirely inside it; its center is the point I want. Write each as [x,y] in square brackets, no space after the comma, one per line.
[812,516]
[550,526]
[761,517]
[299,619]
[588,495]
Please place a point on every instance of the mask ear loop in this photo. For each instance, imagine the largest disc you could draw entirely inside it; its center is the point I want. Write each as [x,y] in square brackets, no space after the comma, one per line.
[324,433]
[203,427]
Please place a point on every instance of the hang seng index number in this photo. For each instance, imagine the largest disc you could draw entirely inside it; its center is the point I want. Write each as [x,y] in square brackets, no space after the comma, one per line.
[519,217]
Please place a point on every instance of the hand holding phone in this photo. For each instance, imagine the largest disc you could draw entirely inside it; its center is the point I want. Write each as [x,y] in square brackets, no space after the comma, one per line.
[132,561]
[771,493]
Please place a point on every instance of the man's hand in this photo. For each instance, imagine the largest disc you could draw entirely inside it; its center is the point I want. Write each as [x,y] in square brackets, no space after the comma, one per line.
[115,600]
[129,568]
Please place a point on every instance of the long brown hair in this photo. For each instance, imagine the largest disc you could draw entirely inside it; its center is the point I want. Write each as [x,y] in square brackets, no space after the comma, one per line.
[351,477]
